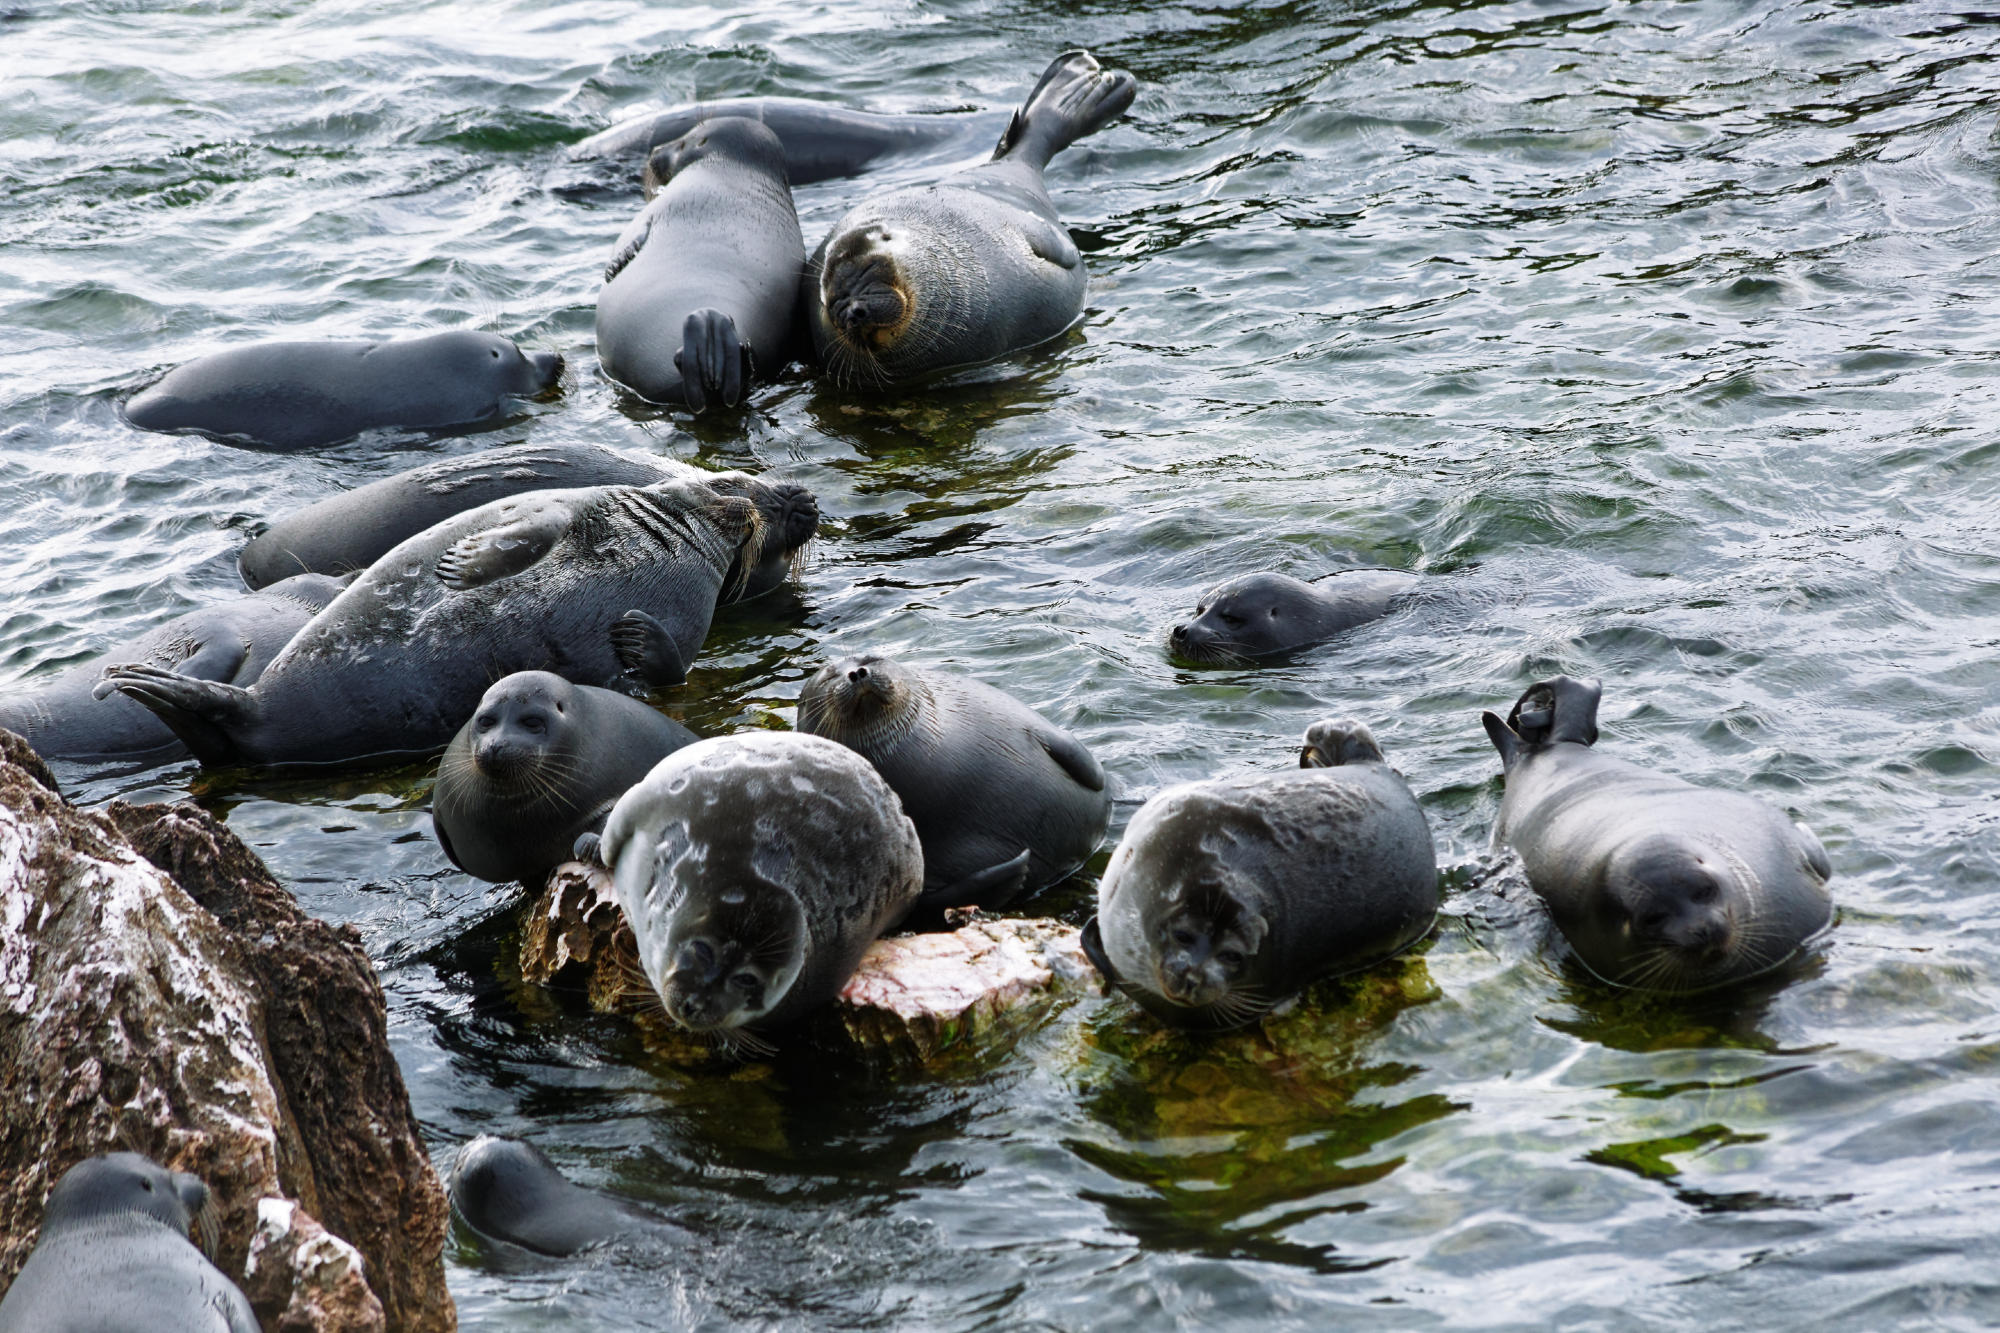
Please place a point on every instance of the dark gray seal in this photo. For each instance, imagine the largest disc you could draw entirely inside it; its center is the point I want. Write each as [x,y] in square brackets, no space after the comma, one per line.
[755,870]
[354,529]
[702,290]
[114,1254]
[1227,896]
[507,1190]
[1657,884]
[915,281]
[232,643]
[542,582]
[538,764]
[300,395]
[1265,615]
[1005,802]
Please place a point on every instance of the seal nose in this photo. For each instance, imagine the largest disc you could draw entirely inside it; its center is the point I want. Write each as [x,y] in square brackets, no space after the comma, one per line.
[851,315]
[548,369]
[858,674]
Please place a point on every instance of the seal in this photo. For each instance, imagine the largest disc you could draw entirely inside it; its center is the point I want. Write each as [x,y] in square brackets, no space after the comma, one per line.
[114,1253]
[1227,896]
[703,287]
[399,660]
[301,395]
[232,643]
[538,764]
[915,281]
[1004,801]
[507,1190]
[755,870]
[1266,615]
[354,529]
[1656,883]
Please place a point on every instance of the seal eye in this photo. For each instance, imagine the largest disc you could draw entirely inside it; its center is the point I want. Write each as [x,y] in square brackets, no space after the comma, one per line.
[496,354]
[1184,937]
[146,1185]
[1229,958]
[533,724]
[487,721]
[1233,621]
[746,982]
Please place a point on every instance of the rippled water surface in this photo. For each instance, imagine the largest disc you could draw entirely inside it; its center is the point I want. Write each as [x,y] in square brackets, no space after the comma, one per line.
[1661,338]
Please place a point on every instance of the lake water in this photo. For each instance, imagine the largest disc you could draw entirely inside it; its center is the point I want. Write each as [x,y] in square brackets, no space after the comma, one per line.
[1663,339]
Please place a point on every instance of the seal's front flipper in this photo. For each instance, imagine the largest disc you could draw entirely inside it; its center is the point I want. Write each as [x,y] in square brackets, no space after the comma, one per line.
[991,888]
[220,658]
[713,361]
[588,848]
[201,712]
[1093,949]
[498,553]
[644,648]
[630,243]
[1050,242]
[1076,761]
[1815,855]
[1076,97]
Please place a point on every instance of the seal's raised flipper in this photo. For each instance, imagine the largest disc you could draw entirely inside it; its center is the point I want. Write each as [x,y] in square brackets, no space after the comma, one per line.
[712,360]
[1559,709]
[201,712]
[1076,97]
[1504,740]
[1076,761]
[498,553]
[1338,741]
[993,887]
[644,648]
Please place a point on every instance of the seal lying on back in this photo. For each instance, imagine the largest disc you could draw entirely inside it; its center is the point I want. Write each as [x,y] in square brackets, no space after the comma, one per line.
[754,871]
[913,281]
[1263,615]
[1656,883]
[702,288]
[538,764]
[397,662]
[299,395]
[1227,896]
[232,643]
[114,1254]
[356,528]
[506,1190]
[1004,801]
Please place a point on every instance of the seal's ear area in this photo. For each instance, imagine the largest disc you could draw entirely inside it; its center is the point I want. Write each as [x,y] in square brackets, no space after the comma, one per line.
[1559,709]
[1093,949]
[1503,737]
[1338,741]
[504,550]
[1074,759]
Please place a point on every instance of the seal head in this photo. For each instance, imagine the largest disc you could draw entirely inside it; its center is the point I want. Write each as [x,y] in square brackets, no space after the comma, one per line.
[1265,615]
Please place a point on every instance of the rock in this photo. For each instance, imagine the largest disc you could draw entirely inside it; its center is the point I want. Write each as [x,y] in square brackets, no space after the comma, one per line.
[302,1279]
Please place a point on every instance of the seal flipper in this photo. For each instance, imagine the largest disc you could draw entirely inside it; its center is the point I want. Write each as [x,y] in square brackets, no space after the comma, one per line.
[201,712]
[992,888]
[1076,97]
[1503,737]
[644,648]
[1814,853]
[630,244]
[1092,941]
[219,658]
[712,360]
[445,842]
[1050,242]
[588,848]
[1559,709]
[1076,761]
[498,553]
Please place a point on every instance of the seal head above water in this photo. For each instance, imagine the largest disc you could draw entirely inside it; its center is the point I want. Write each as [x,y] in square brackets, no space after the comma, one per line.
[1266,615]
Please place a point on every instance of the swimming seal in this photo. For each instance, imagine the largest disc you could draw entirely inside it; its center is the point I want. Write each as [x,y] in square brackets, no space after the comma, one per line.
[914,281]
[1657,884]
[1264,615]
[700,294]
[544,581]
[300,395]
[754,871]
[232,642]
[538,764]
[354,529]
[1004,801]
[507,1190]
[114,1254]
[1227,896]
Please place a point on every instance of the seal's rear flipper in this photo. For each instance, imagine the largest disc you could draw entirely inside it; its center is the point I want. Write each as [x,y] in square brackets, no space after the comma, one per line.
[1561,709]
[1337,741]
[1076,97]
[201,712]
[993,887]
[713,360]
[644,648]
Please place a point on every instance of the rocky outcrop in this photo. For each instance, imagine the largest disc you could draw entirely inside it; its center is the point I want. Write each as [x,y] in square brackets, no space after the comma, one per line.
[300,1279]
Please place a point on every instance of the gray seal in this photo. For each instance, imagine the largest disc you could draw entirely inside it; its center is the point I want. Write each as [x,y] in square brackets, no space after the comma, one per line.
[755,870]
[114,1254]
[702,290]
[541,582]
[232,643]
[507,1190]
[1227,896]
[1004,801]
[1266,615]
[301,395]
[539,764]
[354,529]
[915,281]
[1657,884]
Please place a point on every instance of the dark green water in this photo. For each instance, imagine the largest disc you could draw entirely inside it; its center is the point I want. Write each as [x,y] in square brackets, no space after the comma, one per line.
[1664,338]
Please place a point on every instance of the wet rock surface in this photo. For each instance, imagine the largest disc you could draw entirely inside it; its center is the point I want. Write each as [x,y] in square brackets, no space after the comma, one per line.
[300,1278]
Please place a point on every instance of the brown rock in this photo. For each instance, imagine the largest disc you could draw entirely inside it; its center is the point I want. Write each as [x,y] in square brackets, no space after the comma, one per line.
[302,1279]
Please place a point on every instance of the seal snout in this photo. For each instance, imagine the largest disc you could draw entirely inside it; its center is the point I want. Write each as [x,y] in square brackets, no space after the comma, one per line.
[545,369]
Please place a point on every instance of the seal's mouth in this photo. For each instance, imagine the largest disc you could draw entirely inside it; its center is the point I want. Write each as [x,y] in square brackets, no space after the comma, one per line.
[1197,643]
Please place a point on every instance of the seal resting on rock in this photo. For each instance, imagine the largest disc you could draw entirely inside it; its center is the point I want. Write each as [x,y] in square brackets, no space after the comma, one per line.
[755,870]
[114,1254]
[1004,801]
[1264,615]
[507,1190]
[1657,884]
[1227,896]
[914,281]
[300,395]
[538,764]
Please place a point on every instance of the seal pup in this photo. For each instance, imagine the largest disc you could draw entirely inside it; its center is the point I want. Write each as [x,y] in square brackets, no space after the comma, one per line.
[914,281]
[232,642]
[755,870]
[301,395]
[1004,801]
[507,1190]
[538,764]
[1264,615]
[114,1254]
[702,287]
[1227,896]
[1656,883]
[543,581]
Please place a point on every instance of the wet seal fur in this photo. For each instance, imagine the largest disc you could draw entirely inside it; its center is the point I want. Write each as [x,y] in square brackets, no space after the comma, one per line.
[1228,896]
[538,764]
[1004,801]
[701,293]
[1656,883]
[914,281]
[1266,615]
[301,395]
[755,870]
[114,1253]
[507,1190]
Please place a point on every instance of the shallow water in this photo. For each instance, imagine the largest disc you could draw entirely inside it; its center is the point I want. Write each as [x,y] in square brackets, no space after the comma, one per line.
[1660,337]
